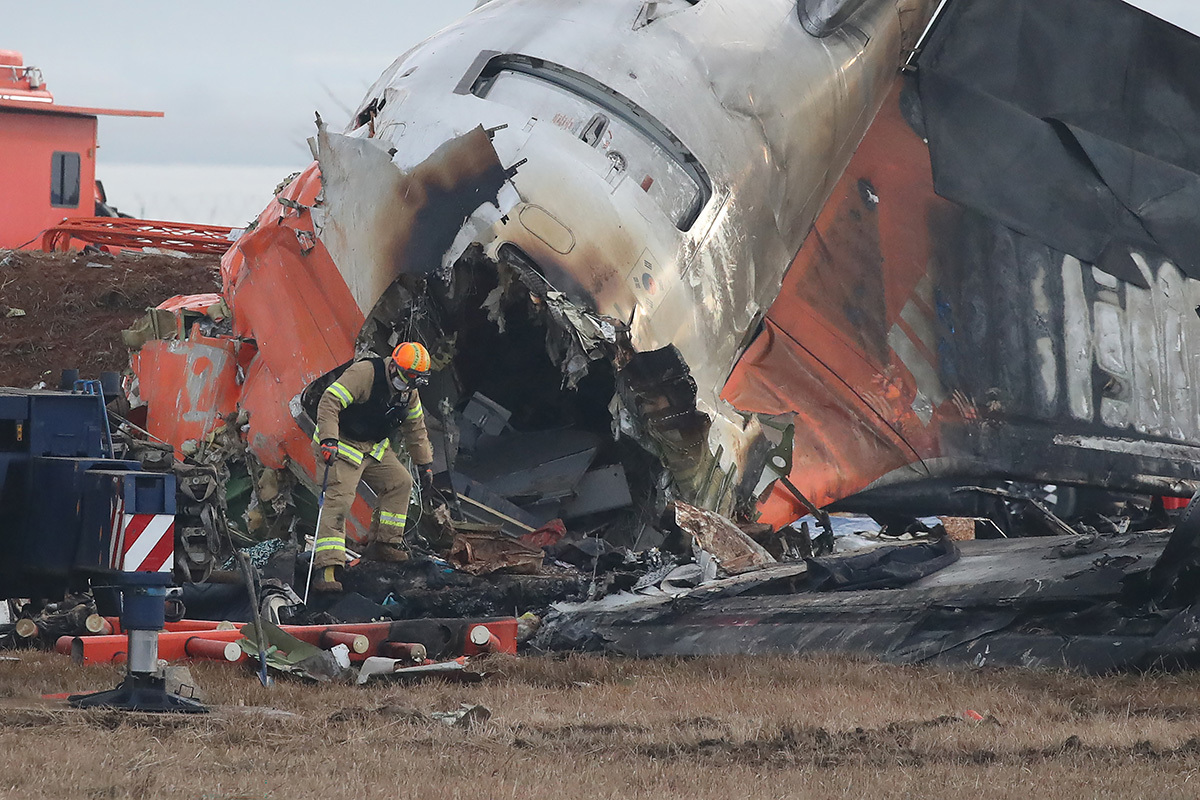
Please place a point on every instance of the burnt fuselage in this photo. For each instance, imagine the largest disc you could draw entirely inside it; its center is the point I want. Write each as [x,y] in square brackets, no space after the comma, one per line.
[685,189]
[670,160]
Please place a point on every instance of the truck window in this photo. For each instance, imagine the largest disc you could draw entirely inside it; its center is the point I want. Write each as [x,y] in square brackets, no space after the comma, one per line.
[637,145]
[64,180]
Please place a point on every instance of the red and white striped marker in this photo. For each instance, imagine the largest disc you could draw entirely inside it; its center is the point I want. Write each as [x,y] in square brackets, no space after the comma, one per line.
[141,542]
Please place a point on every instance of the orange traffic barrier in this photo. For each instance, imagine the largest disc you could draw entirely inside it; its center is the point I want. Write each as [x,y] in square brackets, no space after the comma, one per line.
[172,645]
[505,630]
[102,649]
[483,639]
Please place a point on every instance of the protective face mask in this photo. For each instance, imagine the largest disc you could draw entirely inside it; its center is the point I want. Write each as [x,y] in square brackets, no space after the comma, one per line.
[399,383]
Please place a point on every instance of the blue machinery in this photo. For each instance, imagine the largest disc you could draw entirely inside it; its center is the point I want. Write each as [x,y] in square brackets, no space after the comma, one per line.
[70,518]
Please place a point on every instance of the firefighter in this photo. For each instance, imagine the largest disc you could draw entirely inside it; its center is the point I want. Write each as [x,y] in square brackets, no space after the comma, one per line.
[356,416]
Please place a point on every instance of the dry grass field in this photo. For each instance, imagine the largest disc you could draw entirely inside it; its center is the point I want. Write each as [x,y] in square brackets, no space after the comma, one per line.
[595,728]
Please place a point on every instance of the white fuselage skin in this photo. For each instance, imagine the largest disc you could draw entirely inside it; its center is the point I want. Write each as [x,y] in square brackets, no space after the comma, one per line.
[771,113]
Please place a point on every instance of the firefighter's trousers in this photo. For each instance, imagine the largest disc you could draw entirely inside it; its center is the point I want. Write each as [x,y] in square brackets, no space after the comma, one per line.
[392,485]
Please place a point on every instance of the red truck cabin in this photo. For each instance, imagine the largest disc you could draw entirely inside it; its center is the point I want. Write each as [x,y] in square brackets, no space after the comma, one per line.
[47,155]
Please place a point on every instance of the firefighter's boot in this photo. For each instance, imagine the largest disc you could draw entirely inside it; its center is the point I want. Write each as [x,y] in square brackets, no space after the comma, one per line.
[385,552]
[327,580]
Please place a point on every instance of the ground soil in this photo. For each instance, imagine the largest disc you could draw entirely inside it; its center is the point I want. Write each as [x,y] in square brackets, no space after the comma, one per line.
[74,313]
[594,728]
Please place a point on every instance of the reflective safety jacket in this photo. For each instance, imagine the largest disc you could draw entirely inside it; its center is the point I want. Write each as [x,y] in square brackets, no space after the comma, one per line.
[361,409]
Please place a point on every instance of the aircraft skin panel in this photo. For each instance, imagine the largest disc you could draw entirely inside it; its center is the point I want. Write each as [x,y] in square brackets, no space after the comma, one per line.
[766,112]
[751,204]
[770,114]
[856,345]
[838,353]
[916,344]
[189,408]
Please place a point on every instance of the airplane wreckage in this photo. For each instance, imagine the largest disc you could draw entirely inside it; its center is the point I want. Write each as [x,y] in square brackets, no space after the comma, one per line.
[690,265]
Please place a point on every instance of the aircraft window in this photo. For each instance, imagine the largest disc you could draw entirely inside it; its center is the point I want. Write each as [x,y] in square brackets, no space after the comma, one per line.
[368,114]
[64,180]
[637,145]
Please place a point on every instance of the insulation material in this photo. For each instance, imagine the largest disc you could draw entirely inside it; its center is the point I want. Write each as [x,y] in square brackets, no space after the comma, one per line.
[734,551]
[482,552]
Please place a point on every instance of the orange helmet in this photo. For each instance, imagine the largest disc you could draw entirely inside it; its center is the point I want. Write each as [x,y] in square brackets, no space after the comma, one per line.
[412,359]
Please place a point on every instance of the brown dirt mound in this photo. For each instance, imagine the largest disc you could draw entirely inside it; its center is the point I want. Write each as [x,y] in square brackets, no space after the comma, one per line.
[74,313]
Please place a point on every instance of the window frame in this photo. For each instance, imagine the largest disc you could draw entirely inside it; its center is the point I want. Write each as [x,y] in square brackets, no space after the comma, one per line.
[610,102]
[59,161]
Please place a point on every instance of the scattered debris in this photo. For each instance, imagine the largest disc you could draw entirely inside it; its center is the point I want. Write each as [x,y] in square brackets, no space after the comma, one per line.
[1094,603]
[179,681]
[483,551]
[527,626]
[881,567]
[466,716]
[286,653]
[729,548]
[400,668]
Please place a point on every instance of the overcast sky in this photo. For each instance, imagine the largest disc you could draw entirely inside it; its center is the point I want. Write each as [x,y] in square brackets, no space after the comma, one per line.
[239,81]
[1184,13]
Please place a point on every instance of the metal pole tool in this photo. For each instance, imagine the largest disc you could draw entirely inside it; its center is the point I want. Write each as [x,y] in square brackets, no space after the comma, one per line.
[317,532]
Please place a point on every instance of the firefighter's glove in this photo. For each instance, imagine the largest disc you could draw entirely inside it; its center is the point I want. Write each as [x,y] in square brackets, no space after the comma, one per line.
[329,450]
[430,496]
[425,471]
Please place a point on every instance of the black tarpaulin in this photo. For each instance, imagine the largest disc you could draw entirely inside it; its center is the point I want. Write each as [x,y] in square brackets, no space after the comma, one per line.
[882,567]
[1075,122]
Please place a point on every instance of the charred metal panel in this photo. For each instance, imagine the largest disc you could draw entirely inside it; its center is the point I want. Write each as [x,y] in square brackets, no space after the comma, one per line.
[763,111]
[441,166]
[379,222]
[919,344]
[851,347]
[1030,603]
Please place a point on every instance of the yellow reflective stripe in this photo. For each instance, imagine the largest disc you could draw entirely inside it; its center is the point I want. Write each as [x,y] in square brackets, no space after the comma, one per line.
[341,393]
[329,544]
[388,518]
[379,449]
[416,412]
[352,454]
